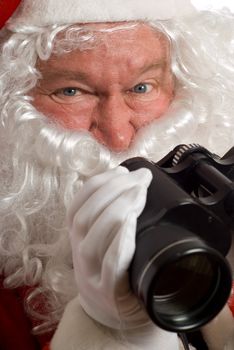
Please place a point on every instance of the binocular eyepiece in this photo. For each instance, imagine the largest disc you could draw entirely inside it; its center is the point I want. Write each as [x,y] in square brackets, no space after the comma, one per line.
[179,270]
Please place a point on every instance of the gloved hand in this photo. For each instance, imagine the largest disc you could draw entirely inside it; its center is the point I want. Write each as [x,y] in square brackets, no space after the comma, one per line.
[102,224]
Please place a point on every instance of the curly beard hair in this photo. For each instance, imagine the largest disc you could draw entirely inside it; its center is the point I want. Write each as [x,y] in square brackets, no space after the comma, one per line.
[43,165]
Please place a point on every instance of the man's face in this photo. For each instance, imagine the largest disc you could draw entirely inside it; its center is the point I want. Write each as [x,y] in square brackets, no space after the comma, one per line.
[112,89]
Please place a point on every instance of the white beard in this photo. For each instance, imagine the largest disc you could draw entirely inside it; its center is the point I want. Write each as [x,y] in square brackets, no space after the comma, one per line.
[40,172]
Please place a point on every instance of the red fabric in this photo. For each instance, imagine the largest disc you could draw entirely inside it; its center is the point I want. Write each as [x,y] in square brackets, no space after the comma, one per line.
[231,300]
[46,347]
[7,8]
[15,327]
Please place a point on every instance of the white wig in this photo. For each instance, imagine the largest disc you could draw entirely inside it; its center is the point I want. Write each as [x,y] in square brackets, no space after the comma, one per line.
[42,165]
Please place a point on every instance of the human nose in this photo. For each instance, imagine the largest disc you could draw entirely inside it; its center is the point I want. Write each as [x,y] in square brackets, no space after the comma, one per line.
[112,123]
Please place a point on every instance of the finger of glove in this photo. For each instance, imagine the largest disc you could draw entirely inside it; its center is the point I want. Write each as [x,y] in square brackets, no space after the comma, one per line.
[110,242]
[90,187]
[102,261]
[104,196]
[107,297]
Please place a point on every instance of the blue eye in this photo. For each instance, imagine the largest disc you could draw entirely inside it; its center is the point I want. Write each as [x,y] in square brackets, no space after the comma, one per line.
[69,91]
[141,88]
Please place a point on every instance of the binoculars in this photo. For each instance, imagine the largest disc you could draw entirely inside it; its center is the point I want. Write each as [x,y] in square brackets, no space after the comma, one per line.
[179,270]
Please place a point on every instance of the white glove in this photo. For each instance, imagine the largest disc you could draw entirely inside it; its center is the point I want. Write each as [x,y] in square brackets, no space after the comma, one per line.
[102,223]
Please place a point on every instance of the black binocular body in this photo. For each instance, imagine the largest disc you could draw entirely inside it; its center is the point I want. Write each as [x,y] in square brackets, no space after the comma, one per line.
[179,270]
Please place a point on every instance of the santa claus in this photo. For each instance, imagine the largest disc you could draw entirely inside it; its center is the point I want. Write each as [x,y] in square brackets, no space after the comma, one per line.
[85,85]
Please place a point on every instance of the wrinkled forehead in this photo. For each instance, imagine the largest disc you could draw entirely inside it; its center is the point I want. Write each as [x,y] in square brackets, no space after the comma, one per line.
[139,45]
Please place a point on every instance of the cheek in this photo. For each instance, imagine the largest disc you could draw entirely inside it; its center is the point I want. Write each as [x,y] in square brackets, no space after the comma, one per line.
[153,110]
[70,116]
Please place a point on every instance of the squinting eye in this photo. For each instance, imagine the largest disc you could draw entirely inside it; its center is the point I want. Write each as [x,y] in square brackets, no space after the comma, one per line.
[142,88]
[69,91]
[68,95]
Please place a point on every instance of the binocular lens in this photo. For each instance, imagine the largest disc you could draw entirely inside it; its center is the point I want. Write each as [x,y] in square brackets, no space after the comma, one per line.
[184,285]
[184,291]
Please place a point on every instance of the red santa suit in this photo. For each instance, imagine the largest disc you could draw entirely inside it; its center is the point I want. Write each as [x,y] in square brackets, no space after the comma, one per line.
[15,326]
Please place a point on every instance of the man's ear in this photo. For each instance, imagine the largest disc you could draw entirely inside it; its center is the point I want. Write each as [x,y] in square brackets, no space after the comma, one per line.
[7,8]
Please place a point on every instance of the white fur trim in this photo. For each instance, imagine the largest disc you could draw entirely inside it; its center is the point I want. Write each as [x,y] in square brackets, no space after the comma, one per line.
[46,12]
[77,331]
